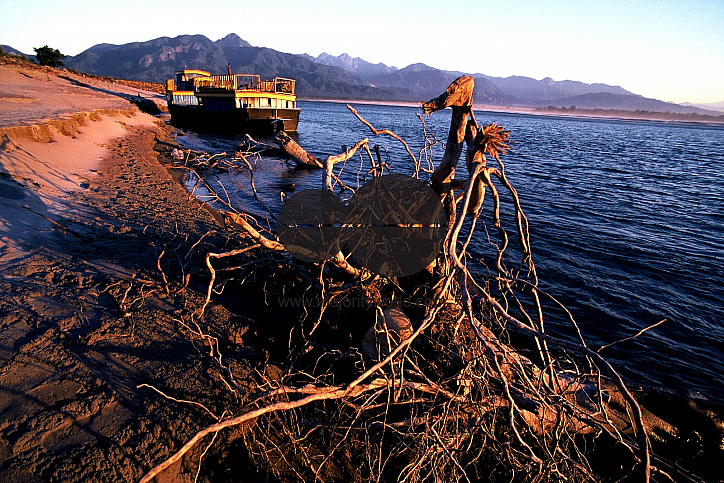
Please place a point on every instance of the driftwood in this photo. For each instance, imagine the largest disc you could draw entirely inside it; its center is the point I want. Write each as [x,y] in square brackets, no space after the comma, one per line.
[459,96]
[251,146]
[298,154]
[339,158]
[236,219]
[441,389]
[302,158]
[377,132]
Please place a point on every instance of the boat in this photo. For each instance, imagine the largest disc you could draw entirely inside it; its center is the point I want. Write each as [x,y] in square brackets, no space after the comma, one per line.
[237,103]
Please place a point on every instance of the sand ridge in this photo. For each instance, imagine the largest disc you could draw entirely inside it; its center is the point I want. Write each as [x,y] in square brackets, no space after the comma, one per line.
[33,95]
[41,175]
[52,142]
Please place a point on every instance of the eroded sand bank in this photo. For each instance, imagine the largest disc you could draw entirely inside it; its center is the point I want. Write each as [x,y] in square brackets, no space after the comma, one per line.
[85,211]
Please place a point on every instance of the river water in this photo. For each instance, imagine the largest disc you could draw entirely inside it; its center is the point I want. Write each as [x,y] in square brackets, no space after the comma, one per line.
[626,221]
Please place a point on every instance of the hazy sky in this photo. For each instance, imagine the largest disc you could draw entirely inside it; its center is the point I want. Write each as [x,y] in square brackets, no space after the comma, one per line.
[669,50]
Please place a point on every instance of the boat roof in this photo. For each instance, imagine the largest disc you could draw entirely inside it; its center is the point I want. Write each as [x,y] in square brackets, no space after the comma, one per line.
[193,71]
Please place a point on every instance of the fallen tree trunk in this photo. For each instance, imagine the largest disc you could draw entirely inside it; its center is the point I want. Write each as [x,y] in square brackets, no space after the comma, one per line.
[298,154]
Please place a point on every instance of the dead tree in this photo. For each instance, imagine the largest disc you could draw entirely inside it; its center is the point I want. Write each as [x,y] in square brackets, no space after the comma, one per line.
[459,96]
[442,390]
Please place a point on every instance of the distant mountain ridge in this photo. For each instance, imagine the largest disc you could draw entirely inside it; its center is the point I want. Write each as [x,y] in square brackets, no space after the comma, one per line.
[524,89]
[354,66]
[513,91]
[713,106]
[519,90]
[626,102]
[347,77]
[547,89]
[157,60]
[10,50]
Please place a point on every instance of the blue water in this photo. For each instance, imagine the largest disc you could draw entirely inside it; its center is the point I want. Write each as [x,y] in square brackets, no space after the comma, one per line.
[626,222]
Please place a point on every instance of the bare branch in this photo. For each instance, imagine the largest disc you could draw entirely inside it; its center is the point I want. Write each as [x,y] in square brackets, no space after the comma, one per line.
[633,336]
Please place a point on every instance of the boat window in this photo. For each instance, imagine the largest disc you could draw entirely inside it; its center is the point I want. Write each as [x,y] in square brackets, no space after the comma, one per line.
[269,101]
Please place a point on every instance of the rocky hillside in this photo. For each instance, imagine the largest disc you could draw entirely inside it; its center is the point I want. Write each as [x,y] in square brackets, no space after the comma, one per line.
[158,59]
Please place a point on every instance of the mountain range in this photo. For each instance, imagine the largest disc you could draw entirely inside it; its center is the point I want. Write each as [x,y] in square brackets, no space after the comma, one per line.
[345,77]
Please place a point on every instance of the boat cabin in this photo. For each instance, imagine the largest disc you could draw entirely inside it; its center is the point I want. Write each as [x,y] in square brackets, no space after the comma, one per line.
[258,100]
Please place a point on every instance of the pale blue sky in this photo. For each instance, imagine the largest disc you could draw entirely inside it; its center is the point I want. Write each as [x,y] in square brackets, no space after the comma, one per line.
[669,50]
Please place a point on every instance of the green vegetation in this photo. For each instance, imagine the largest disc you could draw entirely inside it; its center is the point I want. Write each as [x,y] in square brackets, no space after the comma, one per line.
[49,56]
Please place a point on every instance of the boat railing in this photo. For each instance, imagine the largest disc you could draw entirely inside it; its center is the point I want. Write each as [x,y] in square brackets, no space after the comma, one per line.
[215,82]
[284,85]
[244,82]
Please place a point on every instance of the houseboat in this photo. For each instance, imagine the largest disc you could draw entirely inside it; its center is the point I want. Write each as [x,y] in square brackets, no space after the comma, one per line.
[231,103]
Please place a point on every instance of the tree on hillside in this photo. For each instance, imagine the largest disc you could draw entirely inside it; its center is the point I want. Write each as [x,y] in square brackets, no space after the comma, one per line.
[48,56]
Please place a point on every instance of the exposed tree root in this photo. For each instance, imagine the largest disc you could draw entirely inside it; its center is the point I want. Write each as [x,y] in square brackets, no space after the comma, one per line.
[440,392]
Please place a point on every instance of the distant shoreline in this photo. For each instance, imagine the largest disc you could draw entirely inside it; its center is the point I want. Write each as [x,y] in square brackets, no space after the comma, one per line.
[600,114]
[624,115]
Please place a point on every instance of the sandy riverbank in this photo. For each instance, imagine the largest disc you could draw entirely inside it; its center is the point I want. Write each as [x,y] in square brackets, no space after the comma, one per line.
[86,209]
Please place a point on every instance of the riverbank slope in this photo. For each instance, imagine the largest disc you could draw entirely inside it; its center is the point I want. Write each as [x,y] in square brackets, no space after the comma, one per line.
[90,224]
